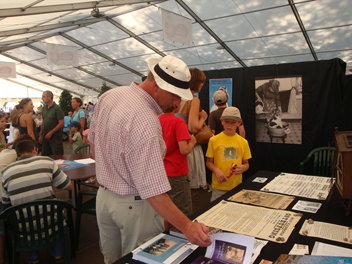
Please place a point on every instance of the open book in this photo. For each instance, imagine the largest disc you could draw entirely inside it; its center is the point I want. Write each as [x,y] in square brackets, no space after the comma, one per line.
[228,248]
[164,249]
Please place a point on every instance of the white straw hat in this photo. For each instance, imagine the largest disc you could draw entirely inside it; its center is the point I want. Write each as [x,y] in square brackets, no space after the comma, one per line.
[171,74]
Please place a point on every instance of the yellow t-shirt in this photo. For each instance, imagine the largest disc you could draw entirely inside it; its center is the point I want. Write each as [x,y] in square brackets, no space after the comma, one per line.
[226,150]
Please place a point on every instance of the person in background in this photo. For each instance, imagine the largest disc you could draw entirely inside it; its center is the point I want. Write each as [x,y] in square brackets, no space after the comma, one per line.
[90,111]
[67,123]
[220,99]
[85,136]
[128,147]
[51,128]
[178,145]
[32,172]
[195,117]
[78,115]
[25,122]
[2,129]
[76,140]
[16,132]
[34,115]
[15,112]
[227,154]
[38,121]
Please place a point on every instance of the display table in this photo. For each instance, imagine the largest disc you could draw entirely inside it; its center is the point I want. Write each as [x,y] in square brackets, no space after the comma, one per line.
[331,211]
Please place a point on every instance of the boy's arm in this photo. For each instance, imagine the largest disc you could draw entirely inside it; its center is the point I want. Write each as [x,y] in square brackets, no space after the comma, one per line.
[239,169]
[220,175]
[186,146]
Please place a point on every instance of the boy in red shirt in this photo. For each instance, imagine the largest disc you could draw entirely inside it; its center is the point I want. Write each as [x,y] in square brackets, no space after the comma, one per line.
[178,143]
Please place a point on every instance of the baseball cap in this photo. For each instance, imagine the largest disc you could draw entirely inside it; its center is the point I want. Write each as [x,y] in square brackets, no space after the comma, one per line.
[76,124]
[171,74]
[231,113]
[219,97]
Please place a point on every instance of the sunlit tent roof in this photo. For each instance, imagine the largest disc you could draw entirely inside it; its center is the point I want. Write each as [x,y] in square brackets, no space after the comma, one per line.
[115,47]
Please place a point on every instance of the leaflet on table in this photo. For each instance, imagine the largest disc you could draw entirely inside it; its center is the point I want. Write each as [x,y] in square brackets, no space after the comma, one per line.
[299,249]
[313,187]
[271,200]
[257,248]
[322,249]
[164,249]
[269,224]
[85,161]
[309,259]
[327,231]
[306,206]
[65,165]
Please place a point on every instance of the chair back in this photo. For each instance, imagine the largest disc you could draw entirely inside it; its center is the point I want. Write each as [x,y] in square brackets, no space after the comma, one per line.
[38,224]
[319,162]
[84,149]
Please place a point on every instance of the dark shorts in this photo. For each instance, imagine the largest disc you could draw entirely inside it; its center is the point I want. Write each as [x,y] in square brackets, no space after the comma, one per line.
[53,146]
[180,193]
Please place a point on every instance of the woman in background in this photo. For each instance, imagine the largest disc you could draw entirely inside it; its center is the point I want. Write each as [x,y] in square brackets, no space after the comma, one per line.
[79,115]
[195,118]
[25,122]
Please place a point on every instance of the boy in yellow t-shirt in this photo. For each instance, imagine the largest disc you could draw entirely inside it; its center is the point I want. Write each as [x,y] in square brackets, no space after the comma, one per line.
[227,154]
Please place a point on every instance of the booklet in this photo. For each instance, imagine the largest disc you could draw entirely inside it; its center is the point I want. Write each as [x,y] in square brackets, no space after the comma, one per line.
[65,165]
[228,248]
[164,249]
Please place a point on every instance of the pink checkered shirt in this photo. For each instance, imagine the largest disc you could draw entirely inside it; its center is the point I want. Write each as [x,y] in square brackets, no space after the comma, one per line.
[129,146]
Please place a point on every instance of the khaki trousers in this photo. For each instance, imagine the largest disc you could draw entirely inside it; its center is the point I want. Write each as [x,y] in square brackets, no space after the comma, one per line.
[124,223]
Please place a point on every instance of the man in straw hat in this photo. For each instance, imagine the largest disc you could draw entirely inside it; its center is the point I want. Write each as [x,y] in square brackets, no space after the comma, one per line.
[128,146]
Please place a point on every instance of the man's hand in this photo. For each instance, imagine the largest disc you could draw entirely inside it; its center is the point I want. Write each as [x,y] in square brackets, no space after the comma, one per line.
[40,140]
[221,176]
[197,234]
[48,136]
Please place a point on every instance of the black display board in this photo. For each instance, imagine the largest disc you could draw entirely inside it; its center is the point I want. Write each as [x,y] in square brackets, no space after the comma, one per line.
[326,104]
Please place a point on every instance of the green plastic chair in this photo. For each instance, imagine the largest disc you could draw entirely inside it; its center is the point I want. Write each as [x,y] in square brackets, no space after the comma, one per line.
[27,227]
[318,162]
[87,207]
[84,149]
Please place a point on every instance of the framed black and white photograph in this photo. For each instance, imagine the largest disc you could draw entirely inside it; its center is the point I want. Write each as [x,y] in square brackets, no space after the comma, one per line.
[278,108]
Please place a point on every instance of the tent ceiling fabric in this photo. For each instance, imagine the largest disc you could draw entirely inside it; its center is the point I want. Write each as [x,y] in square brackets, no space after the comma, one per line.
[115,48]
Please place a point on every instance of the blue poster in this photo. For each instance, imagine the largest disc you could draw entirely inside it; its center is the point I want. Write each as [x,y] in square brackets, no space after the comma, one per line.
[219,84]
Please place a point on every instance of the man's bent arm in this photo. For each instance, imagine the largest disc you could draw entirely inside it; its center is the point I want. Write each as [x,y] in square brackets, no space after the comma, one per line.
[59,126]
[196,233]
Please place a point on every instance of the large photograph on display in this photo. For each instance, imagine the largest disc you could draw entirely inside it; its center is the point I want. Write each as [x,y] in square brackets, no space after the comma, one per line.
[278,108]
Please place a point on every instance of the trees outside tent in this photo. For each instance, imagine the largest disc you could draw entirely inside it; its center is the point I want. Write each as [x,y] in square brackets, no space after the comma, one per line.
[65,101]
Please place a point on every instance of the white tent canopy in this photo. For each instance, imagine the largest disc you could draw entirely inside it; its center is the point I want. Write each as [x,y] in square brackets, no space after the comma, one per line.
[115,47]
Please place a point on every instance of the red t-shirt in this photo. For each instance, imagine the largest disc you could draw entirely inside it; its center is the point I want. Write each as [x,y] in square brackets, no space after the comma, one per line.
[174,130]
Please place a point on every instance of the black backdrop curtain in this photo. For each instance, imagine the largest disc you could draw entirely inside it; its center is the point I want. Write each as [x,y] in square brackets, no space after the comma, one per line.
[325,90]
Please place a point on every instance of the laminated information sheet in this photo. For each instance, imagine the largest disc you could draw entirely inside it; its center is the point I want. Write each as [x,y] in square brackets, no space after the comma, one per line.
[327,231]
[314,187]
[269,224]
[271,200]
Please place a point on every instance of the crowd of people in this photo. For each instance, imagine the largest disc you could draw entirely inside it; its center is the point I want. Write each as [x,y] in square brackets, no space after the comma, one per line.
[143,140]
